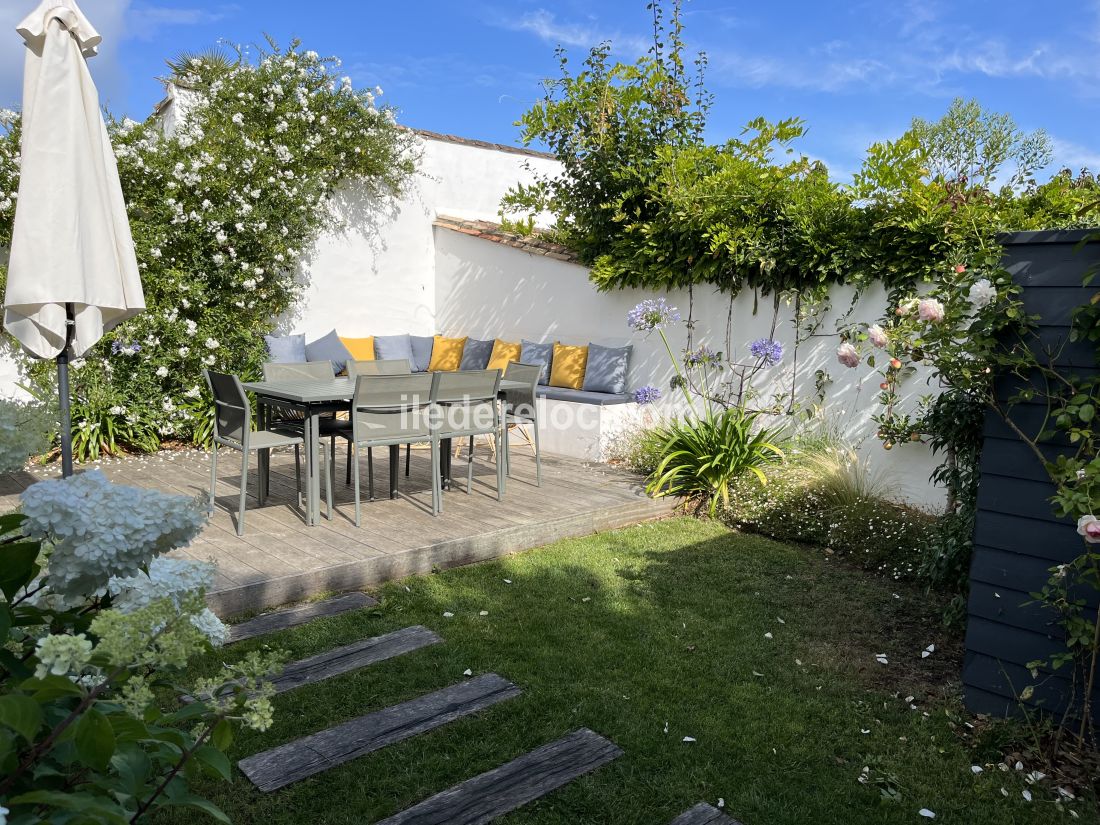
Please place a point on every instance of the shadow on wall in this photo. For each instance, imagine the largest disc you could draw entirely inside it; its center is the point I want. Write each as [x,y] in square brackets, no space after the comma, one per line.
[488,290]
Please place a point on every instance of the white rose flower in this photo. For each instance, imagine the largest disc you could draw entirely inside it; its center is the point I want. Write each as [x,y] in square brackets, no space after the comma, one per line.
[162,372]
[982,293]
[212,343]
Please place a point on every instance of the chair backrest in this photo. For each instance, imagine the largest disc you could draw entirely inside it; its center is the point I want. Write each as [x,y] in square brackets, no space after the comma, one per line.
[392,407]
[232,411]
[522,401]
[314,370]
[467,387]
[385,366]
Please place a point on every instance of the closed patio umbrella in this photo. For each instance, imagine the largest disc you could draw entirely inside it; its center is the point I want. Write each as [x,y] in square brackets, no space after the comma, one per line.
[72,271]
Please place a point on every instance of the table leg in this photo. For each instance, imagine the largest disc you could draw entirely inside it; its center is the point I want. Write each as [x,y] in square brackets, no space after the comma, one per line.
[263,458]
[395,459]
[445,455]
[313,476]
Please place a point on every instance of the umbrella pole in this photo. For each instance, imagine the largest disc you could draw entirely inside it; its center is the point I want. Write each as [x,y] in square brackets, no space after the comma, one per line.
[63,394]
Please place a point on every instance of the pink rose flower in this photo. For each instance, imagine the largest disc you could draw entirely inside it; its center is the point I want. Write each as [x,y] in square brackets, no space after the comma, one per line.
[929,309]
[1089,527]
[847,355]
[877,335]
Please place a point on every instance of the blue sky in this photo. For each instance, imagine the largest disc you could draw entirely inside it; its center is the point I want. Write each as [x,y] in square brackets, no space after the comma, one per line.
[856,71]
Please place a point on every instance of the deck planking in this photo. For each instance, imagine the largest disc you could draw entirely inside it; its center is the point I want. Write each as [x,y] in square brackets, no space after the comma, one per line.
[280,560]
[703,814]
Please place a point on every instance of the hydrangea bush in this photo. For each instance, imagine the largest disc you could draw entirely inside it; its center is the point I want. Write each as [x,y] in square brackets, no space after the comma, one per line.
[222,211]
[97,627]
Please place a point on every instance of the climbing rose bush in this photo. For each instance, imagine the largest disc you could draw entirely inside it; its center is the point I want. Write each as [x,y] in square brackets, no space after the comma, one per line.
[222,211]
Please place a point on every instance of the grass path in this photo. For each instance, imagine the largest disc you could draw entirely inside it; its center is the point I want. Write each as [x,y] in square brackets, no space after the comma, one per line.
[628,631]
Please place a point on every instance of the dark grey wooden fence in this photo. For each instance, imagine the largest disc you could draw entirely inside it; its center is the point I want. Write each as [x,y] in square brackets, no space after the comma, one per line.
[1017,538]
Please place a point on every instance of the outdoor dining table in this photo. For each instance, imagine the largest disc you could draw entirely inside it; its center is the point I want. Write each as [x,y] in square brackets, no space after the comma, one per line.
[314,398]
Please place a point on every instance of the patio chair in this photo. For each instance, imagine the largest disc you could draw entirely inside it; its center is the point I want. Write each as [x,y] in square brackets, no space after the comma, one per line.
[390,410]
[383,366]
[467,408]
[520,409]
[233,428]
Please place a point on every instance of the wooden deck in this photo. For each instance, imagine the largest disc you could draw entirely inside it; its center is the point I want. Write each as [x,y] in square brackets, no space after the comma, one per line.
[279,559]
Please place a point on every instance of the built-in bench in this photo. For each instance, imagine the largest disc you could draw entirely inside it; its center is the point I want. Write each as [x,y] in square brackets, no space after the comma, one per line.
[600,399]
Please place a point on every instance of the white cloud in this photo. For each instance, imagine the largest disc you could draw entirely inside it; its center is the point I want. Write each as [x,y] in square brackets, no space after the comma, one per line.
[545,25]
[1074,156]
[146,21]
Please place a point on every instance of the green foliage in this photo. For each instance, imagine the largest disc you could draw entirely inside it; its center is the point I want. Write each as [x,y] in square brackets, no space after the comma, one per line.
[701,456]
[826,496]
[82,737]
[221,210]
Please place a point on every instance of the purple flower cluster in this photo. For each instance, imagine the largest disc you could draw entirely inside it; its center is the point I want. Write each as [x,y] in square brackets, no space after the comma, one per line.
[767,350]
[704,356]
[647,394]
[652,313]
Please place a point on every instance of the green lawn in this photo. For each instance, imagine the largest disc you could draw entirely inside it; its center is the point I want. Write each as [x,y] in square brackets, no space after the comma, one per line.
[662,623]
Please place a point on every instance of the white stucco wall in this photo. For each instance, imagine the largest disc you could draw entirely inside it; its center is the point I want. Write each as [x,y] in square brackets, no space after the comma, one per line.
[488,290]
[377,276]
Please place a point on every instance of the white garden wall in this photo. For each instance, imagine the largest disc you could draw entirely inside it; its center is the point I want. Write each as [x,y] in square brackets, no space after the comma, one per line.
[490,290]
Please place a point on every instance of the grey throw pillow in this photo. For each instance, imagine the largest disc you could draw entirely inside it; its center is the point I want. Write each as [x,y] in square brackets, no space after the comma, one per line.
[422,351]
[606,369]
[543,354]
[392,347]
[476,354]
[286,349]
[329,348]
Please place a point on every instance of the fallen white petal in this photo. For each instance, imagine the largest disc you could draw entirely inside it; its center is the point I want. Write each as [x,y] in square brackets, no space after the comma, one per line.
[768,636]
[798,662]
[448,615]
[1004,792]
[927,814]
[756,673]
[507,581]
[1026,794]
[689,738]
[779,620]
[483,613]
[666,727]
[721,802]
[467,672]
[975,768]
[864,730]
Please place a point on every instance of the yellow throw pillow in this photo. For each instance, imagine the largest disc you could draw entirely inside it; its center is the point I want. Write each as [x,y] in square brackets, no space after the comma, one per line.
[504,353]
[567,368]
[361,349]
[446,354]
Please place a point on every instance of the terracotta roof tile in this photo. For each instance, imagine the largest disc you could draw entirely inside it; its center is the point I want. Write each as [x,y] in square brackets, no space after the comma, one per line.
[490,231]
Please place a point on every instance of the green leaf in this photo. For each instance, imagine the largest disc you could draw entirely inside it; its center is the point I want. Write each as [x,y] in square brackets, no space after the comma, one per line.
[214,761]
[191,801]
[222,735]
[1087,413]
[51,687]
[22,714]
[95,739]
[17,566]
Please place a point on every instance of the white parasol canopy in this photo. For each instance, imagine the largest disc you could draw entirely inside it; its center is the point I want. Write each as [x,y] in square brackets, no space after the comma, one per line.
[71,242]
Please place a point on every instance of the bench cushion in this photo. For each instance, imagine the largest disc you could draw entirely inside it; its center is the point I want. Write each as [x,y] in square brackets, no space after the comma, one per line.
[286,349]
[361,349]
[476,354]
[535,353]
[601,399]
[446,354]
[328,348]
[422,351]
[606,369]
[393,347]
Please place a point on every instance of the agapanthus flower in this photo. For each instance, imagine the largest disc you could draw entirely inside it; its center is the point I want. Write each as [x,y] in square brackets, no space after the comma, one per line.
[652,313]
[847,355]
[703,356]
[767,350]
[647,394]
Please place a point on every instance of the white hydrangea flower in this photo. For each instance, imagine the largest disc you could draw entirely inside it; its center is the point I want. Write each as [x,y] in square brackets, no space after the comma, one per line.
[184,351]
[238,118]
[62,654]
[99,529]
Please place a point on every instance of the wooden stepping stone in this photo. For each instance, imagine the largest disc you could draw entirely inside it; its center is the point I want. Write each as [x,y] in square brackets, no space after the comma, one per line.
[703,814]
[312,754]
[501,790]
[282,619]
[348,658]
